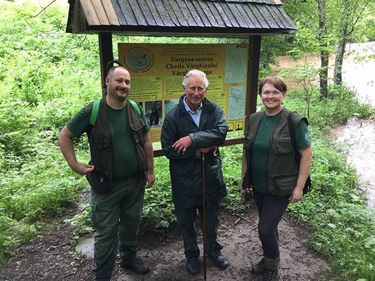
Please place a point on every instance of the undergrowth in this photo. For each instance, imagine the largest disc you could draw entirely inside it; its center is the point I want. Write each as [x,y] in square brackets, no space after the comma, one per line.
[46,76]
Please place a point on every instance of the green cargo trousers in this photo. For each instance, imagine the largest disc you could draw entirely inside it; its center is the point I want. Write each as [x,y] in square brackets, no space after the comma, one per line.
[116,217]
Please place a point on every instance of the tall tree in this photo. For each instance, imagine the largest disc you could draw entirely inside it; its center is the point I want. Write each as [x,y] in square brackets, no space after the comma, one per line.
[324,54]
[351,12]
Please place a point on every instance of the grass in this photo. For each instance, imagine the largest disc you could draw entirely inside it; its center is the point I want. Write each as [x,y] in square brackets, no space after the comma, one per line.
[41,87]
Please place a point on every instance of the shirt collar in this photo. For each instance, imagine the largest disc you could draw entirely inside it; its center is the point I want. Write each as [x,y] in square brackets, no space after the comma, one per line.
[188,108]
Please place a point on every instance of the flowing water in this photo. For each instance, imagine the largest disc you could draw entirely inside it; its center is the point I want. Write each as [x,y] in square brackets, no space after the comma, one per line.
[359,71]
[358,139]
[357,136]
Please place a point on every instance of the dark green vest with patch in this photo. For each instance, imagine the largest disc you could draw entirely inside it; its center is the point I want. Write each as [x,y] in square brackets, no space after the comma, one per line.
[282,168]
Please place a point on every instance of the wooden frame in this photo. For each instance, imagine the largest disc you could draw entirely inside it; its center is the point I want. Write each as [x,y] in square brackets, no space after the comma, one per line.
[106,55]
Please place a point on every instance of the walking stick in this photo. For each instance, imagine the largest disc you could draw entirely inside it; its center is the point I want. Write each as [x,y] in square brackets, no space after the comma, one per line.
[204,229]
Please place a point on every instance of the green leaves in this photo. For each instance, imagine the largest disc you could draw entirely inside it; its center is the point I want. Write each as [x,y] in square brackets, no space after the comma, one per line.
[38,94]
[47,75]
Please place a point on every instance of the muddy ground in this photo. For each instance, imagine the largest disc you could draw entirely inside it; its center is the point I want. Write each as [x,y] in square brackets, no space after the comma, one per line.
[53,256]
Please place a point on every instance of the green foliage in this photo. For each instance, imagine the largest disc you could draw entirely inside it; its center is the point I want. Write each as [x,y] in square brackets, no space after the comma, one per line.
[360,19]
[158,206]
[46,76]
[366,28]
[342,227]
[232,167]
[12,234]
[81,222]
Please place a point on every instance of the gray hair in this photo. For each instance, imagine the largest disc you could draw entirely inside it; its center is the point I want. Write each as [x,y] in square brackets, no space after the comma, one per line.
[195,73]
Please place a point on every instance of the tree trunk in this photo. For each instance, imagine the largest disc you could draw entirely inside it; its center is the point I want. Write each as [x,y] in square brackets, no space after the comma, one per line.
[344,25]
[324,55]
[337,73]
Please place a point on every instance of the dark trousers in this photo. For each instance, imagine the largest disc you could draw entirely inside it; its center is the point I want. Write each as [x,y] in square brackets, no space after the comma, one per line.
[270,210]
[116,217]
[186,218]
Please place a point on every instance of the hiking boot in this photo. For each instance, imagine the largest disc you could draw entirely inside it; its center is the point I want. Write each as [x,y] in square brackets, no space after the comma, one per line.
[271,269]
[271,275]
[258,268]
[193,266]
[136,265]
[219,261]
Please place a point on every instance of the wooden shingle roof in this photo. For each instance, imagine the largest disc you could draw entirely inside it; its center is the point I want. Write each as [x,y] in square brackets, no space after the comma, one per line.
[222,18]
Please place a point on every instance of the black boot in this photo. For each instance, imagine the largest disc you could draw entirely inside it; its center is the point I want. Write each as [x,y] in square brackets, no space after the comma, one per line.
[136,265]
[271,269]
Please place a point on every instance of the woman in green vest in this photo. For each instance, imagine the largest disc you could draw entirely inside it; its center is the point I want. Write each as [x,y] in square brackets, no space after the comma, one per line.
[276,172]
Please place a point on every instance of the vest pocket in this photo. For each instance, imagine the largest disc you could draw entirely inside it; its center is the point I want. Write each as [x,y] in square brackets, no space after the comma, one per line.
[99,181]
[101,141]
[282,145]
[284,185]
[138,136]
[139,145]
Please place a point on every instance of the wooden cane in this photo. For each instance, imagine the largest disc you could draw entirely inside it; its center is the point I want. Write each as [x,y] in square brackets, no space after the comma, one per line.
[204,228]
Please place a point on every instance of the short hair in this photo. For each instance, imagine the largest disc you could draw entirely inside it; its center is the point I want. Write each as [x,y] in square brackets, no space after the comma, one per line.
[195,73]
[110,67]
[276,81]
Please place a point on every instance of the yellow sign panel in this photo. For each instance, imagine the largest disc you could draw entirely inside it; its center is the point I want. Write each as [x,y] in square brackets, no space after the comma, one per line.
[157,72]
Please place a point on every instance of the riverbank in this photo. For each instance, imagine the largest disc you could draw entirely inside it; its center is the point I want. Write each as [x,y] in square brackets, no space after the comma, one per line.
[357,137]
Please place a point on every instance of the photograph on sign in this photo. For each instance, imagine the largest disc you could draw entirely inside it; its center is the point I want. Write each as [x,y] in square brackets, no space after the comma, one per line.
[157,72]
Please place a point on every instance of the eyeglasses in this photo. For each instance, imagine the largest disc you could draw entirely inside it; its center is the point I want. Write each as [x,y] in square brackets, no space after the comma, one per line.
[196,89]
[274,93]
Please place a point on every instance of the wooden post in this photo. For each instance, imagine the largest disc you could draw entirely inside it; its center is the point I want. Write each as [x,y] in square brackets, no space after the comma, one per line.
[252,76]
[252,84]
[106,55]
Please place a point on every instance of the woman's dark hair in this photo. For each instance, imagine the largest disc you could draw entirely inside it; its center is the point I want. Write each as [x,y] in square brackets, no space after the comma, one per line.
[276,81]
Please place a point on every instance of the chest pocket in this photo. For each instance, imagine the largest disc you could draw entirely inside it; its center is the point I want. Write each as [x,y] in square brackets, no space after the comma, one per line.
[137,130]
[136,126]
[101,141]
[282,144]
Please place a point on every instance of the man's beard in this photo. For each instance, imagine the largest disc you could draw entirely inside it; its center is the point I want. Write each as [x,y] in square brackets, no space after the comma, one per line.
[120,98]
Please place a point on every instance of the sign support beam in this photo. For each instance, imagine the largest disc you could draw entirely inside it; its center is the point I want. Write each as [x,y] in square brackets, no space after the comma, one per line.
[106,55]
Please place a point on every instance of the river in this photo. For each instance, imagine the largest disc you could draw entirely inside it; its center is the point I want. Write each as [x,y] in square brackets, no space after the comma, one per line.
[357,136]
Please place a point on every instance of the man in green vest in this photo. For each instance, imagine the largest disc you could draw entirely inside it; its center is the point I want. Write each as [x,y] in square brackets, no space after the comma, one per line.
[121,167]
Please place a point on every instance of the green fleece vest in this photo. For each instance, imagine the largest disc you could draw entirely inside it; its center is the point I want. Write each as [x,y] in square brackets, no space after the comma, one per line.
[282,167]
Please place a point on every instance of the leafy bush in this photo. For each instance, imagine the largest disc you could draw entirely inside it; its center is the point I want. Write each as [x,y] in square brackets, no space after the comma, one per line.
[46,76]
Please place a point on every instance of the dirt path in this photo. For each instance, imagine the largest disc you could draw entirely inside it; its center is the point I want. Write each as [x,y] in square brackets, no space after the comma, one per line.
[53,256]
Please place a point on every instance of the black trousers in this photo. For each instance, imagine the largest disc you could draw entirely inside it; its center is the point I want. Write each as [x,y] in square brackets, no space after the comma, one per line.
[270,210]
[187,217]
